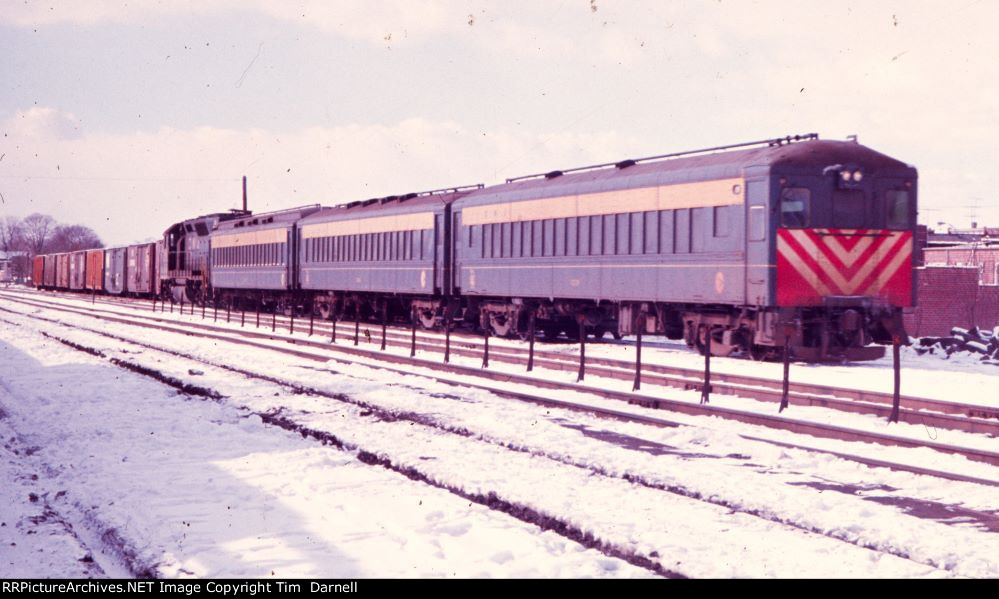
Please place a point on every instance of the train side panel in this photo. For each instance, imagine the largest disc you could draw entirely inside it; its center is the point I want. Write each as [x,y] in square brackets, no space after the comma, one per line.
[78,270]
[140,272]
[62,271]
[251,259]
[95,270]
[38,271]
[638,238]
[115,261]
[395,248]
[49,271]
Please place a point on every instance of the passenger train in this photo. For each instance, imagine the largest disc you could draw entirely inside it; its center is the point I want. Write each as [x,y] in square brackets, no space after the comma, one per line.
[795,243]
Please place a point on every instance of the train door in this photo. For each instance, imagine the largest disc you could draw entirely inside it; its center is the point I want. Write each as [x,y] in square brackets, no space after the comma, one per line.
[758,268]
[438,253]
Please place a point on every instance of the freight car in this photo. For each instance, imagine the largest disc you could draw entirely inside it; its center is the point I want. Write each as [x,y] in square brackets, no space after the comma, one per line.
[77,270]
[114,270]
[95,270]
[141,277]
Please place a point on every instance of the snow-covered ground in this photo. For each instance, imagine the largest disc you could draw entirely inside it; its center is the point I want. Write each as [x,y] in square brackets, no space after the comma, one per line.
[207,488]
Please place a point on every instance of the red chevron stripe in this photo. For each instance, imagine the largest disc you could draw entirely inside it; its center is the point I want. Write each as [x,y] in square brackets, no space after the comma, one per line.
[796,267]
[848,270]
[888,257]
[803,255]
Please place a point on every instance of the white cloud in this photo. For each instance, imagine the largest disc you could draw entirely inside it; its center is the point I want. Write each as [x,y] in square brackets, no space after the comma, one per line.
[40,123]
[171,174]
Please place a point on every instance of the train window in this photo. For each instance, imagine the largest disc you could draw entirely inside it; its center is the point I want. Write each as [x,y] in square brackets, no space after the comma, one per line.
[560,237]
[897,203]
[516,235]
[757,223]
[537,238]
[525,241]
[681,231]
[548,231]
[651,225]
[795,207]
[608,246]
[595,232]
[848,208]
[471,232]
[622,239]
[497,246]
[637,230]
[721,221]
[571,236]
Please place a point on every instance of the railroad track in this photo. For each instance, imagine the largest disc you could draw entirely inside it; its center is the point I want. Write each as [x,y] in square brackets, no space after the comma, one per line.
[279,420]
[756,387]
[473,377]
[967,417]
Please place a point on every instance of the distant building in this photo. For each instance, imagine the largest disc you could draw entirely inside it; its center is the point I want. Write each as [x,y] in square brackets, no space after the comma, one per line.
[958,281]
[8,268]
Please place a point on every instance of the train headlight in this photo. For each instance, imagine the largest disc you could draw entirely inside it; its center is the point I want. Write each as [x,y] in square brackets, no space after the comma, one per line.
[850,176]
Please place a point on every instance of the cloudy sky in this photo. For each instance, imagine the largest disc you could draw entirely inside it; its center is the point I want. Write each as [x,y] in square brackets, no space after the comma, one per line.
[126,115]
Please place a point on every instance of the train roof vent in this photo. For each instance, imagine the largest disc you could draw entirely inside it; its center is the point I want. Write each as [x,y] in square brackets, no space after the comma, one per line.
[408,196]
[625,163]
[553,174]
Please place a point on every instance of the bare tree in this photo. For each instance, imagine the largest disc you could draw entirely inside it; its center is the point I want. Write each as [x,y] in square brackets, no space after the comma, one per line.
[11,234]
[70,238]
[37,231]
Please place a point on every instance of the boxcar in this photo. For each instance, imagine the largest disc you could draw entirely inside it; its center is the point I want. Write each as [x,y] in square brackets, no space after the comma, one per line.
[95,270]
[77,270]
[38,271]
[140,272]
[49,271]
[115,261]
[62,271]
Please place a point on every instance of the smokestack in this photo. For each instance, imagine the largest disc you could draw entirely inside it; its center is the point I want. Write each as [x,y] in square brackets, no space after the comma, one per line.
[244,193]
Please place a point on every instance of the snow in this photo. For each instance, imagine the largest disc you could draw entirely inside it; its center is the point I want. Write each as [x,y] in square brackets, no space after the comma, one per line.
[736,507]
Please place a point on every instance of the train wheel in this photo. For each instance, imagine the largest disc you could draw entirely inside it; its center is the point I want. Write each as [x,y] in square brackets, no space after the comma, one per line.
[325,310]
[428,319]
[500,324]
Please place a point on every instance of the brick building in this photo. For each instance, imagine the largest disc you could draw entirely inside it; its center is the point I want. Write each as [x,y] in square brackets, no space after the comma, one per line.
[950,296]
[983,257]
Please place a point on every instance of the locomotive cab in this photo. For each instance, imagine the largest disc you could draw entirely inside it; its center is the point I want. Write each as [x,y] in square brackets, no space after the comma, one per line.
[844,248]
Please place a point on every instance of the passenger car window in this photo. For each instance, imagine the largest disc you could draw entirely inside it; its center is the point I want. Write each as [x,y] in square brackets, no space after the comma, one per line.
[897,201]
[795,207]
